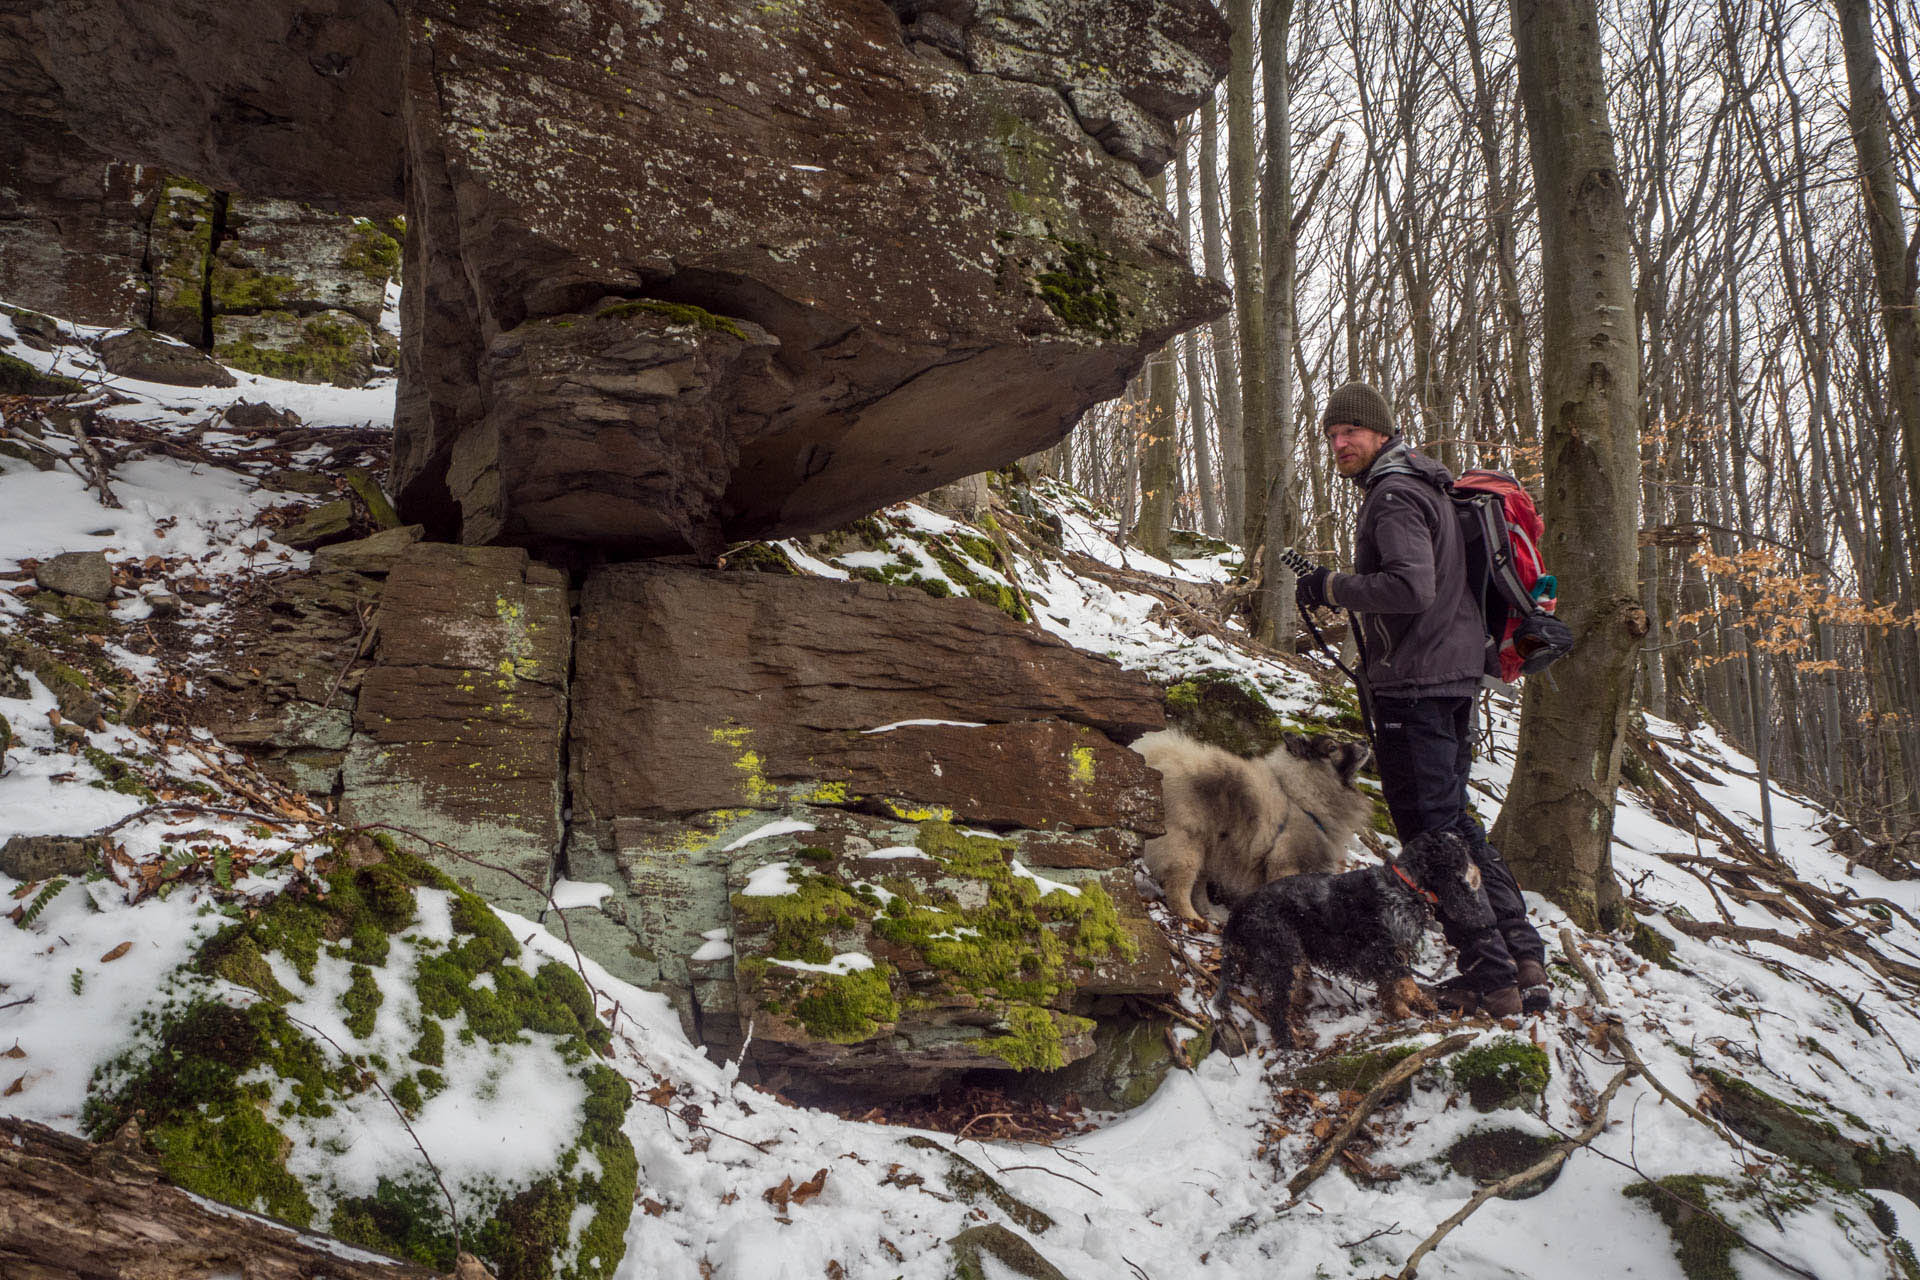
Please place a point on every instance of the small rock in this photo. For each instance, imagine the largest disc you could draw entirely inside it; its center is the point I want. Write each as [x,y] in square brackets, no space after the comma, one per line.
[1488,1155]
[368,490]
[149,357]
[1008,1249]
[43,857]
[66,733]
[257,414]
[328,522]
[375,554]
[292,480]
[6,737]
[164,604]
[18,378]
[40,332]
[78,573]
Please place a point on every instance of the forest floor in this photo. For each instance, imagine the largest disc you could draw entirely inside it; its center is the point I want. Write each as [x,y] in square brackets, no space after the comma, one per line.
[1759,1023]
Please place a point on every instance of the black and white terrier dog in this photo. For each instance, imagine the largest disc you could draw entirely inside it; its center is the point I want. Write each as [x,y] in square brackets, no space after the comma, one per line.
[1364,924]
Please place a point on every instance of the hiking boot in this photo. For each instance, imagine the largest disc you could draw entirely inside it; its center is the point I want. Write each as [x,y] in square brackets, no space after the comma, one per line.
[1536,993]
[1456,996]
[1502,1002]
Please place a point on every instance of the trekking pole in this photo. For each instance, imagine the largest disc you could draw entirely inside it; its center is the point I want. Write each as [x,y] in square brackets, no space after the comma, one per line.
[1299,564]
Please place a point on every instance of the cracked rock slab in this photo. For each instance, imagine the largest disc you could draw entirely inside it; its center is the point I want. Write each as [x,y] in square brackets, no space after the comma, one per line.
[457,733]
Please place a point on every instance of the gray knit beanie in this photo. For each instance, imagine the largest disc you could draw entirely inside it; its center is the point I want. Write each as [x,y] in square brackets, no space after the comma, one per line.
[1361,405]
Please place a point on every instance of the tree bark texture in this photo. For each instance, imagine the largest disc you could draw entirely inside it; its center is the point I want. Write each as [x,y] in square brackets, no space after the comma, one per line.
[1893,258]
[1243,231]
[77,1210]
[1226,362]
[1158,465]
[1557,825]
[1275,614]
[1190,366]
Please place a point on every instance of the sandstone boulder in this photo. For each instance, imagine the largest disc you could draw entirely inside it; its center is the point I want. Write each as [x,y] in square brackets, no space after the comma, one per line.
[284,686]
[152,358]
[893,243]
[77,573]
[971,251]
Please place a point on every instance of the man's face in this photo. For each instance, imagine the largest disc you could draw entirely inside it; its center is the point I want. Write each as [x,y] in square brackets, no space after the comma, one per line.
[1354,447]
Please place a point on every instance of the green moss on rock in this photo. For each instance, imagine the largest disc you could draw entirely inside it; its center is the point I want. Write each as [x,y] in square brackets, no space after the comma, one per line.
[1504,1072]
[1078,291]
[18,378]
[1358,1071]
[679,313]
[1703,1245]
[222,1086]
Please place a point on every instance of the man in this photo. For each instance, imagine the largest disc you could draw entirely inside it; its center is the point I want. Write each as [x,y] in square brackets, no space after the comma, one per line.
[1423,646]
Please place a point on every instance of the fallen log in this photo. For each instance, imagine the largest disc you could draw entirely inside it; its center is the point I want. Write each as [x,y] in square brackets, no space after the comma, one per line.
[77,1210]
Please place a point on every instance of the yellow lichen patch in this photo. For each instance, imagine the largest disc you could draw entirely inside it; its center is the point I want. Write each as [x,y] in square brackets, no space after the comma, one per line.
[829,793]
[1081,768]
[909,813]
[754,786]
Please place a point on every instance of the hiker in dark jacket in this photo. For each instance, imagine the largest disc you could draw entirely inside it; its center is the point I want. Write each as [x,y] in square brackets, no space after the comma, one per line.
[1424,648]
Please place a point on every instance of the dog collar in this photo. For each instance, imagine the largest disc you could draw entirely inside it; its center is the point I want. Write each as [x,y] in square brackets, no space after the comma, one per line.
[1433,899]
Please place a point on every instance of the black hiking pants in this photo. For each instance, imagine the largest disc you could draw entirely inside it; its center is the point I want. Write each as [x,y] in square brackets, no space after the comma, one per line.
[1423,748]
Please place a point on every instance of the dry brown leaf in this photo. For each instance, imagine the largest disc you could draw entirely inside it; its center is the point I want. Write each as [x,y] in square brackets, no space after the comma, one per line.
[811,1188]
[653,1207]
[14,1088]
[1323,1128]
[15,1052]
[780,1195]
[116,953]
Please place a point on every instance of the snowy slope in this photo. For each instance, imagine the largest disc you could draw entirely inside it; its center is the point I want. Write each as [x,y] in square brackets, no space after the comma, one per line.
[1192,1182]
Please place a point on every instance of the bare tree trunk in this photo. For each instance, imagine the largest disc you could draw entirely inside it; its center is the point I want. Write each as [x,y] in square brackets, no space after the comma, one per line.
[1190,363]
[1557,825]
[1226,363]
[1893,257]
[1157,462]
[1243,195]
[1275,614]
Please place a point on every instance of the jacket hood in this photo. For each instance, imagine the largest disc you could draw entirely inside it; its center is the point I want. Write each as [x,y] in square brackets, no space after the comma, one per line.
[1397,458]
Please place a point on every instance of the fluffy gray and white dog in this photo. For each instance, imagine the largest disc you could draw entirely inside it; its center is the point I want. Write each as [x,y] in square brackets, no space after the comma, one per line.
[1364,924]
[1234,824]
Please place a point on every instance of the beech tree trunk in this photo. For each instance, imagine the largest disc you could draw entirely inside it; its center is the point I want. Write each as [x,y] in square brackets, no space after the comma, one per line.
[1557,825]
[1226,363]
[1275,614]
[1157,462]
[1893,257]
[1190,367]
[1243,231]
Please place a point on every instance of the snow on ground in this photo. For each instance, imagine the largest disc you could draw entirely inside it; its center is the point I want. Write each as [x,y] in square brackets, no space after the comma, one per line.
[1192,1182]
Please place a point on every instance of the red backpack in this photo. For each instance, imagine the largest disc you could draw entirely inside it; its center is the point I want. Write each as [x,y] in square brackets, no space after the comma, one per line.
[1502,530]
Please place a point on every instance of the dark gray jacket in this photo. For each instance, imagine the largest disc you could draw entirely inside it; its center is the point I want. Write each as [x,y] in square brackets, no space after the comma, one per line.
[1423,633]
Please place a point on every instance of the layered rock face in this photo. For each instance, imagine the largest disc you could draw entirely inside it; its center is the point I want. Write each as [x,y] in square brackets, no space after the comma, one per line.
[892,834]
[680,274]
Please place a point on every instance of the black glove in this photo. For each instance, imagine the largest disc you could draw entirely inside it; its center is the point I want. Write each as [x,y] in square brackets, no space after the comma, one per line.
[1310,589]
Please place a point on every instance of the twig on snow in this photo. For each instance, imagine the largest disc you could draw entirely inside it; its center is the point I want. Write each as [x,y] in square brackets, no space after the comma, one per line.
[1403,1071]
[1546,1164]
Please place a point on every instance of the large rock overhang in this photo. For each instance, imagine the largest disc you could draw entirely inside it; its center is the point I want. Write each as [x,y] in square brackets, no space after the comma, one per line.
[680,274]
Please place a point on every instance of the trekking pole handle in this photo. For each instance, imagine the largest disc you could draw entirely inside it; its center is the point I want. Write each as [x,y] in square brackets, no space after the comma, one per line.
[1298,563]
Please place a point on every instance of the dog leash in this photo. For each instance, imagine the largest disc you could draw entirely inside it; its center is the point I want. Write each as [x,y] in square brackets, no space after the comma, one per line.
[1433,899]
[1362,694]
